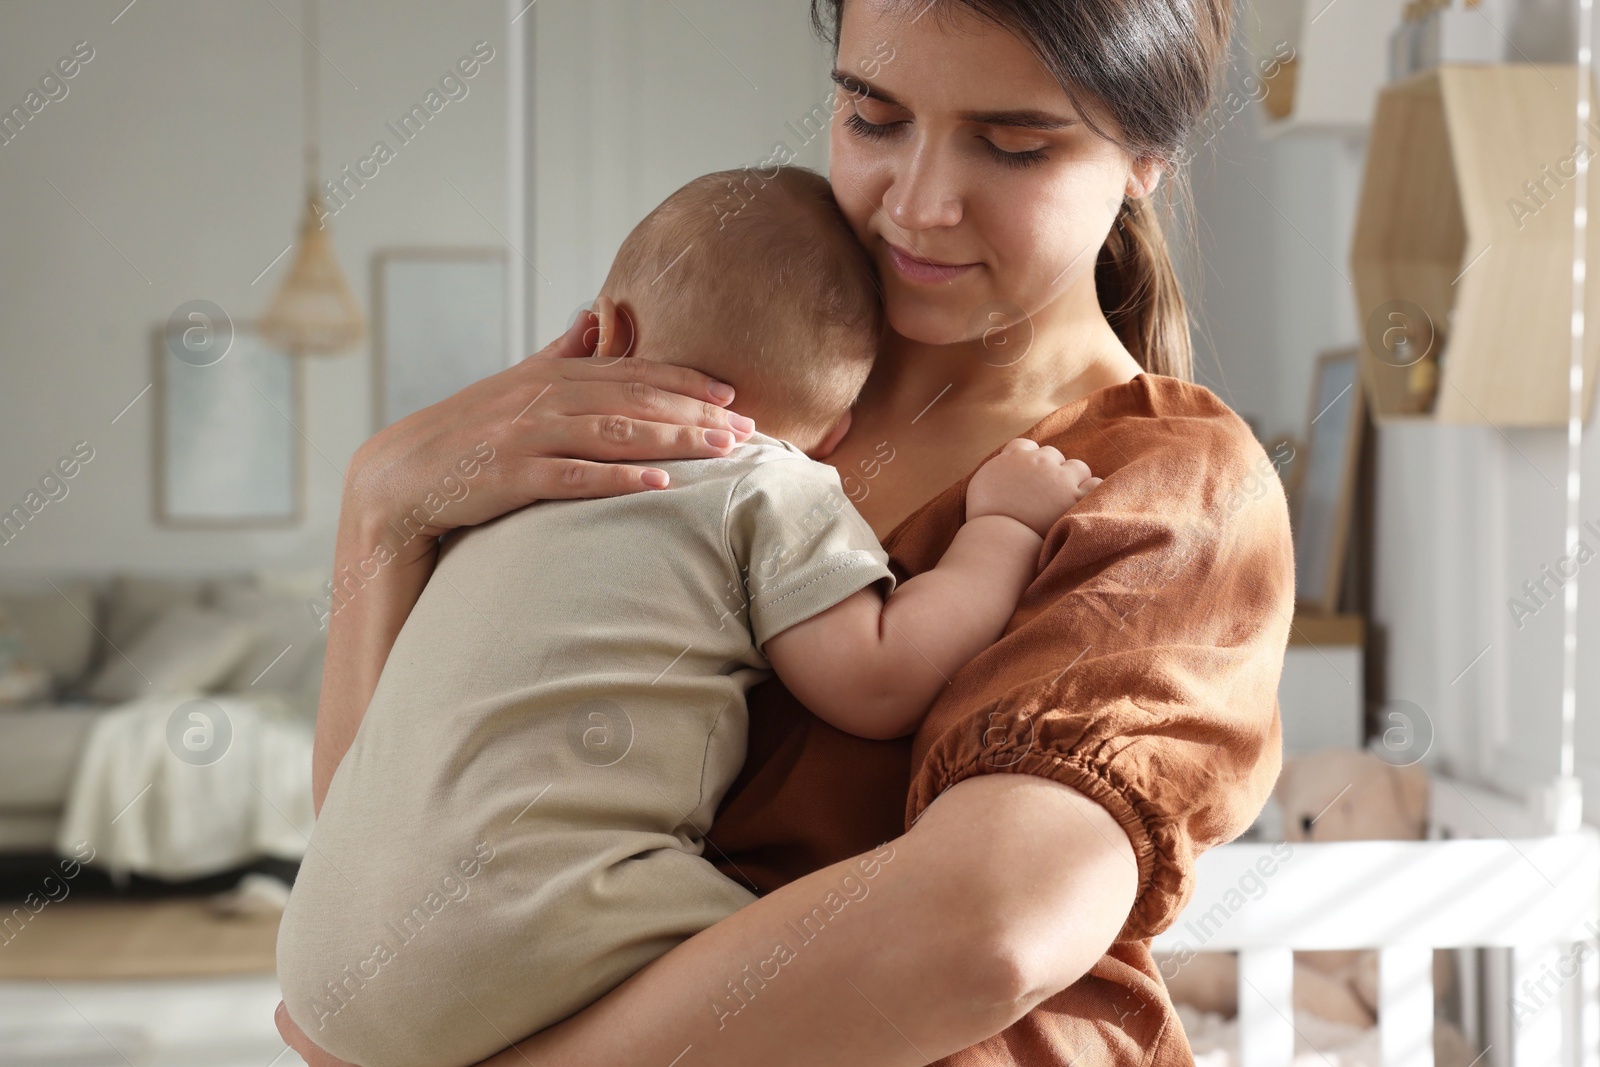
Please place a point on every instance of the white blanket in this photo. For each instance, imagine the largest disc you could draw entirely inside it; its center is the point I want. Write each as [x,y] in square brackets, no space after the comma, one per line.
[186,785]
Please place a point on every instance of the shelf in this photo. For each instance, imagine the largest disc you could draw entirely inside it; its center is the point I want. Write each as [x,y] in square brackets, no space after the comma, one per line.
[1442,256]
[1314,629]
[1340,62]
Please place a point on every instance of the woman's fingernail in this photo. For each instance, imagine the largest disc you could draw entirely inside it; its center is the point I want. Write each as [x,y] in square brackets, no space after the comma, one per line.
[742,423]
[721,390]
[654,479]
[719,438]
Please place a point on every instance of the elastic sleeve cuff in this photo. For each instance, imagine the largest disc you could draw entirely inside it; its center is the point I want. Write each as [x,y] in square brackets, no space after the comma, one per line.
[1162,891]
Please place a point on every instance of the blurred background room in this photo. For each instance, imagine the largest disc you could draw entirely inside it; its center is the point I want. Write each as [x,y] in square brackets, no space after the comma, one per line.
[237,237]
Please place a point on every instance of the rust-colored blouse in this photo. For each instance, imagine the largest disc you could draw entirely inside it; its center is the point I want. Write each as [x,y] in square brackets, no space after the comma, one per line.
[1141,668]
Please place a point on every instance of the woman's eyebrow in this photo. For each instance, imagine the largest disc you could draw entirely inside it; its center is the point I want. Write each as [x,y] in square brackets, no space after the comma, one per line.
[1024,118]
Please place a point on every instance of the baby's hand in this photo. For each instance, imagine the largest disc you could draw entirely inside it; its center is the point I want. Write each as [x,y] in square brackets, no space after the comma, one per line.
[1031,484]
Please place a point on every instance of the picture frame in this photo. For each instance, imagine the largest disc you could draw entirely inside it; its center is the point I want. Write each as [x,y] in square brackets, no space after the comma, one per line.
[228,449]
[1292,472]
[1326,490]
[440,323]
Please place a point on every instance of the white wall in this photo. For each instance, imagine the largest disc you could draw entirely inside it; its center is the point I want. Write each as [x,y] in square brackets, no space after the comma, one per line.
[660,93]
[1263,259]
[180,141]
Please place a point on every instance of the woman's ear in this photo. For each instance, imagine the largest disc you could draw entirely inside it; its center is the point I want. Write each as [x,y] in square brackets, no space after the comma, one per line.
[1144,176]
[616,332]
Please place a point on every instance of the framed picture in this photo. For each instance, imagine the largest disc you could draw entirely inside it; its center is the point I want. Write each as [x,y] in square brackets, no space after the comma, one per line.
[228,449]
[1322,519]
[440,324]
[1291,472]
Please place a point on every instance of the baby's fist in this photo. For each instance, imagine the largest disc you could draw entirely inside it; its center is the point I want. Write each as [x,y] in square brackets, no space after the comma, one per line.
[1031,484]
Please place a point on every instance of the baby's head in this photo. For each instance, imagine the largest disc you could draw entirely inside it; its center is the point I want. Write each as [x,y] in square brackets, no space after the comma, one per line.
[755,278]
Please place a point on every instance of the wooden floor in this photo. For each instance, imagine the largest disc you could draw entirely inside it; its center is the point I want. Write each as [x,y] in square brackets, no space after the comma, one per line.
[113,939]
[217,1021]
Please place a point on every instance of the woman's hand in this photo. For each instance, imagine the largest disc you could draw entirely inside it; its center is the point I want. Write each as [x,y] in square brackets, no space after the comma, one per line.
[536,431]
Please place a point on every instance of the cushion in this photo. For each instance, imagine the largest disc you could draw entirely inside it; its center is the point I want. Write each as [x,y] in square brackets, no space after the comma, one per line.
[135,602]
[23,679]
[286,636]
[309,691]
[39,757]
[187,649]
[303,584]
[58,627]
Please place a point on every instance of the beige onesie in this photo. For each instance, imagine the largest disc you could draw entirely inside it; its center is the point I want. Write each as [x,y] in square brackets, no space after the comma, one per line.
[518,825]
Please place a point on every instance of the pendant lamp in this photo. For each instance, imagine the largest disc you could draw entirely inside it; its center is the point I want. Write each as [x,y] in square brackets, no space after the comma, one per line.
[314,312]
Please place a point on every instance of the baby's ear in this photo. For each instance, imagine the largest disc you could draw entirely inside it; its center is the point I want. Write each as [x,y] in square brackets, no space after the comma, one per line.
[616,329]
[825,447]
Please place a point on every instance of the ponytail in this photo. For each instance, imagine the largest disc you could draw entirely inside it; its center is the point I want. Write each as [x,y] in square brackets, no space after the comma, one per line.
[1139,293]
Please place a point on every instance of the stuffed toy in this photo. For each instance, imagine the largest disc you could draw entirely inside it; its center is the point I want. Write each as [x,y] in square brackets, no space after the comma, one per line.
[1332,795]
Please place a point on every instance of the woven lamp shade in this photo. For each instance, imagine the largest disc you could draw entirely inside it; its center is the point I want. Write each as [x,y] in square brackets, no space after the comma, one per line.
[314,312]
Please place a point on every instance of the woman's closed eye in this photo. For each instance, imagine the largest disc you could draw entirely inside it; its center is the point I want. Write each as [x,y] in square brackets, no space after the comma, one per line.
[877,131]
[872,131]
[1026,158]
[862,126]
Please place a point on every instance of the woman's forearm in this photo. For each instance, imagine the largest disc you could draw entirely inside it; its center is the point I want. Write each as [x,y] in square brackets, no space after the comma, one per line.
[366,615]
[879,983]
[1008,889]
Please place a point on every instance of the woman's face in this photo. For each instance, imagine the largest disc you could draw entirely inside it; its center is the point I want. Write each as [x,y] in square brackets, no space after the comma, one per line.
[953,145]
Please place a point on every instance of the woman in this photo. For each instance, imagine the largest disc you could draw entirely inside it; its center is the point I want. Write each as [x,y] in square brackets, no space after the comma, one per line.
[985,890]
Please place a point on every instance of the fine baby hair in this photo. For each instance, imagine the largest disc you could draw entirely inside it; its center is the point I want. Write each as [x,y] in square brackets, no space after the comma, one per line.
[754,277]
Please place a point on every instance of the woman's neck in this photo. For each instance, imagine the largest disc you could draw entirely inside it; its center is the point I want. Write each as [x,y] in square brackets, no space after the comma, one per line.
[1043,363]
[930,413]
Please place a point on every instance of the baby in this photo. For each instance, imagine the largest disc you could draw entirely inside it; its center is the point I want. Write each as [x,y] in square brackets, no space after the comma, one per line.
[518,825]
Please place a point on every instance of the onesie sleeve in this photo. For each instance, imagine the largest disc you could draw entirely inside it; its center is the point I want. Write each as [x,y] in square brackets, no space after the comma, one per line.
[1142,665]
[799,544]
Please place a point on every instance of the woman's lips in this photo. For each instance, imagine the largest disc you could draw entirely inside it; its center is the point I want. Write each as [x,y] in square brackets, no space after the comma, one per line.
[925,271]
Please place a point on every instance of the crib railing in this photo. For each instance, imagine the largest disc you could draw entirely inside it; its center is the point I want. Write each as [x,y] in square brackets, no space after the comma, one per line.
[1538,897]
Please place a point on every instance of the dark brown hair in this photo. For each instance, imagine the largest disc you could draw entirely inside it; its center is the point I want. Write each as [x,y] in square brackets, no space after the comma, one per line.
[1152,67]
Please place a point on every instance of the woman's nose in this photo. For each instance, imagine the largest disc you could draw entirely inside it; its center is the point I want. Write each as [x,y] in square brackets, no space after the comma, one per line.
[922,195]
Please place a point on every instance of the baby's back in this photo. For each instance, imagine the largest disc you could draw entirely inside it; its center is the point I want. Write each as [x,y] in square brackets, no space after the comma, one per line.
[572,641]
[565,699]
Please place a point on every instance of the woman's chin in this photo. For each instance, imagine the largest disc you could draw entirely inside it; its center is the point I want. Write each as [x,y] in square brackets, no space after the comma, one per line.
[928,324]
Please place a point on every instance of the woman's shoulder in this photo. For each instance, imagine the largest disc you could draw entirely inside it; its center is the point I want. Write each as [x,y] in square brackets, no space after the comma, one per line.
[1141,667]
[1171,453]
[1177,438]
[1156,407]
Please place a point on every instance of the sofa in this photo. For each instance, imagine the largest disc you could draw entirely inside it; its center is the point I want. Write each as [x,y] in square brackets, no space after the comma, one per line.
[72,649]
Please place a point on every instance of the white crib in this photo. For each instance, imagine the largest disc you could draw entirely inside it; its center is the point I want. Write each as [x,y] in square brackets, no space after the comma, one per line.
[1537,897]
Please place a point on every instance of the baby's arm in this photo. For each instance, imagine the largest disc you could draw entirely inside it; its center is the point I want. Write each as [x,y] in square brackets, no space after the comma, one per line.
[872,666]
